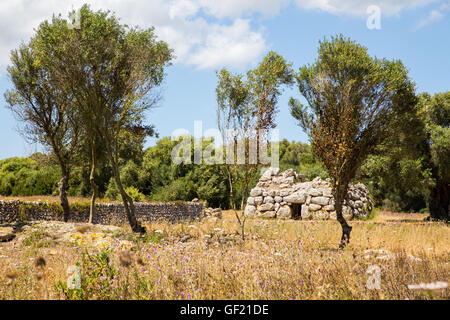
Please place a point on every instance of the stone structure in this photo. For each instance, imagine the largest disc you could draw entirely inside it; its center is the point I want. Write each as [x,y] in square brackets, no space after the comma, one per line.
[288,195]
[106,213]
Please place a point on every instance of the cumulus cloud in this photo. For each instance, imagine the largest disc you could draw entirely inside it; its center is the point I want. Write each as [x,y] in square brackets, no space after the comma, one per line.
[237,40]
[204,43]
[204,33]
[359,7]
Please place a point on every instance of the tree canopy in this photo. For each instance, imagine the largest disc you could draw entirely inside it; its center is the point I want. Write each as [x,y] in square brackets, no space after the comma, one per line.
[351,99]
[109,72]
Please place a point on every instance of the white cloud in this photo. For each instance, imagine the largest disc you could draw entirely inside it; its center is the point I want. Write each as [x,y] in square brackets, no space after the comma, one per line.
[203,43]
[359,7]
[204,33]
[435,15]
[226,45]
[182,9]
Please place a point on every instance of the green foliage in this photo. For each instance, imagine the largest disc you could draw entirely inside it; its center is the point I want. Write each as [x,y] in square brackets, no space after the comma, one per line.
[266,82]
[27,177]
[155,178]
[79,206]
[110,71]
[372,214]
[111,190]
[299,156]
[97,274]
[352,98]
[38,239]
[411,166]
[397,182]
[406,144]
[353,103]
[133,193]
[435,112]
[168,181]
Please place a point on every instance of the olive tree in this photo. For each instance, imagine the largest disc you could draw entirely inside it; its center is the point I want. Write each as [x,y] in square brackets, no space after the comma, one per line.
[350,101]
[247,106]
[435,113]
[112,71]
[47,115]
[235,122]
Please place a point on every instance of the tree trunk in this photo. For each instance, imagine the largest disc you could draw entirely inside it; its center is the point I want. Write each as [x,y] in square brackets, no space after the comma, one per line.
[92,182]
[230,181]
[340,192]
[245,189]
[63,183]
[126,199]
[440,201]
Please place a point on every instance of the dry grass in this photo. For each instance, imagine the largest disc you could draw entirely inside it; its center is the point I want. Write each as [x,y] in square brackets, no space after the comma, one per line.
[280,259]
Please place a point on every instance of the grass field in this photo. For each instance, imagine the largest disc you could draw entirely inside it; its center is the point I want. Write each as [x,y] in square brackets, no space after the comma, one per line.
[280,259]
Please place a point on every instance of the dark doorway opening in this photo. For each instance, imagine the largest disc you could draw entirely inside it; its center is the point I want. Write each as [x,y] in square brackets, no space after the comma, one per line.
[296,209]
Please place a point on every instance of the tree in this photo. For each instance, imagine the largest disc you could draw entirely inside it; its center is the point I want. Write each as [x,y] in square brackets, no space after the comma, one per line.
[93,153]
[247,108]
[435,112]
[351,99]
[397,173]
[112,71]
[28,176]
[47,114]
[265,84]
[235,122]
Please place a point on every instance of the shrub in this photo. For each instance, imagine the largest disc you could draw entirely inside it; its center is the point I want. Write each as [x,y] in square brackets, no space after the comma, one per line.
[133,193]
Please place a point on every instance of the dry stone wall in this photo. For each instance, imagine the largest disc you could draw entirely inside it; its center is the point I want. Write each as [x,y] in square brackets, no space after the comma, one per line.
[107,213]
[288,195]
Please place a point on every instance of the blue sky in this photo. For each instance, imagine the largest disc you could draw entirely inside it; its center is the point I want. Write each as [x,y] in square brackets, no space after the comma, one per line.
[208,35]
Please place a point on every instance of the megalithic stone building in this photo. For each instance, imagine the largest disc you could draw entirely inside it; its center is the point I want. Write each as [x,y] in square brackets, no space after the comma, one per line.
[289,195]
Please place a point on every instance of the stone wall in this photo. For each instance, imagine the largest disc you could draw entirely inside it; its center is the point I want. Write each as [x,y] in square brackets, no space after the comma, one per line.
[288,195]
[107,213]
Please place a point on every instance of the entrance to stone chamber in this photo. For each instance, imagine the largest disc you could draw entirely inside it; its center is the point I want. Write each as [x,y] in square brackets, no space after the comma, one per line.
[296,209]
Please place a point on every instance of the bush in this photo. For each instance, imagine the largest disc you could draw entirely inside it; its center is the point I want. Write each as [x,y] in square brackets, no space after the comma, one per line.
[133,193]
[111,190]
[27,177]
[180,189]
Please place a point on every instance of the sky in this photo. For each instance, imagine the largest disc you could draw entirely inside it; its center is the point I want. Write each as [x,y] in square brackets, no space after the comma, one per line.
[208,35]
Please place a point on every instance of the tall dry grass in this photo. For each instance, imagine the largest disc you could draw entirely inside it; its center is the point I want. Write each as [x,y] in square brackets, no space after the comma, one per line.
[280,259]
